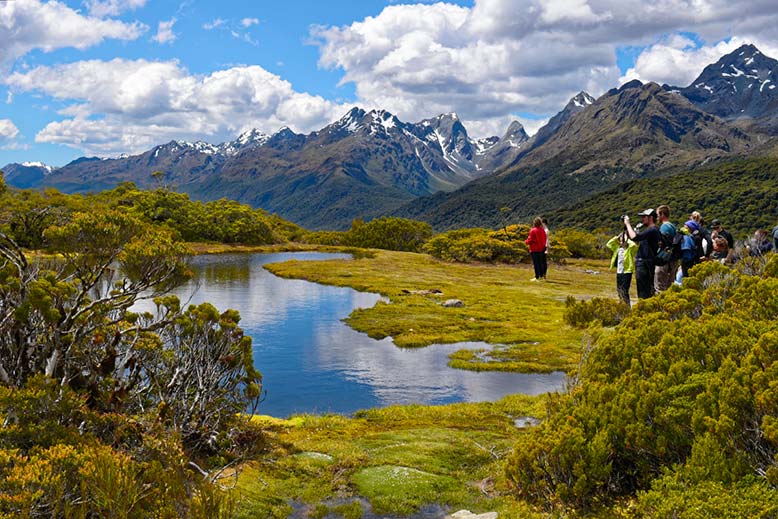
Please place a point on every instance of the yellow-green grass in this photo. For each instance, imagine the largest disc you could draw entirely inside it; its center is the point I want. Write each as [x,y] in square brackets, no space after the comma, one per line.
[398,459]
[501,305]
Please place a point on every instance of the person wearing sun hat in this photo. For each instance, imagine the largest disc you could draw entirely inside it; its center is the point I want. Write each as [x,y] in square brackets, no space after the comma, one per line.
[648,243]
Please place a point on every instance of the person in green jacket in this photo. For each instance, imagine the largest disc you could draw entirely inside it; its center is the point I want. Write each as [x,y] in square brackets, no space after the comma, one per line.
[623,260]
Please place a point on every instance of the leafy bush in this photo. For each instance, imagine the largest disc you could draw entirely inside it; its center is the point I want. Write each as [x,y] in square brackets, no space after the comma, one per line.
[580,314]
[684,384]
[674,496]
[468,245]
[389,233]
[582,244]
[325,237]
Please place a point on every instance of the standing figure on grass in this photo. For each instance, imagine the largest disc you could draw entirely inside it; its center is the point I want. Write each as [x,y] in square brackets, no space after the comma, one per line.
[623,260]
[536,241]
[648,243]
[548,244]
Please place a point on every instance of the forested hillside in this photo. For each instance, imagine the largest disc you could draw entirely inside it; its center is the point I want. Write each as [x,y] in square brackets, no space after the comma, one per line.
[742,194]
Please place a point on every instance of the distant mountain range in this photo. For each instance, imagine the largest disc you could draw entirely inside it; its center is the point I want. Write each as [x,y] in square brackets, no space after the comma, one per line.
[369,164]
[636,131]
[362,165]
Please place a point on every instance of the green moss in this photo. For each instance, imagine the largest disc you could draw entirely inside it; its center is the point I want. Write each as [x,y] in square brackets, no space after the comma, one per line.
[457,451]
[401,489]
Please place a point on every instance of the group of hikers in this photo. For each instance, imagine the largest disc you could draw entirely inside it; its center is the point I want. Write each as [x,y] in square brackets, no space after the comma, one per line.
[659,253]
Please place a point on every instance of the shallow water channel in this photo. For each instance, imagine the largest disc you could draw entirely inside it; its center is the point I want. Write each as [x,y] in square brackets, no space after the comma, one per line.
[312,362]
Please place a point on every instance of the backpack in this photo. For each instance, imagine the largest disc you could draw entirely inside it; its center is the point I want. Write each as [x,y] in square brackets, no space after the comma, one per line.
[669,249]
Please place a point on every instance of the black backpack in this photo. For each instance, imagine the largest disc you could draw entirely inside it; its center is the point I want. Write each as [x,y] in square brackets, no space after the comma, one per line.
[669,249]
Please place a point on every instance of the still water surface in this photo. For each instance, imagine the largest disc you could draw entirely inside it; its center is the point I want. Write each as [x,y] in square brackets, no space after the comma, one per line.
[312,362]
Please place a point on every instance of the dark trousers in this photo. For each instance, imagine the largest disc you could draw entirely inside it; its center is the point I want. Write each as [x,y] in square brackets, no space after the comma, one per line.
[644,276]
[544,264]
[537,262]
[686,264]
[623,282]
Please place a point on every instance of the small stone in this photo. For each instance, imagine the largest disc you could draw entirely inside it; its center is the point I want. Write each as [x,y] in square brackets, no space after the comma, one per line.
[466,514]
[449,303]
[526,421]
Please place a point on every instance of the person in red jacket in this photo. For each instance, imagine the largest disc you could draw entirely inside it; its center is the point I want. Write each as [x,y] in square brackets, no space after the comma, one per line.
[536,241]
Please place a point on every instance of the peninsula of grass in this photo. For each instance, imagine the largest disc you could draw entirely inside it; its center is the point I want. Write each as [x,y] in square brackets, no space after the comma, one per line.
[520,319]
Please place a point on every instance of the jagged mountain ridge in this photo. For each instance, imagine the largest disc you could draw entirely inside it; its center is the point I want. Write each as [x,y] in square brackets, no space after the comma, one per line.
[632,132]
[359,166]
[741,86]
[368,163]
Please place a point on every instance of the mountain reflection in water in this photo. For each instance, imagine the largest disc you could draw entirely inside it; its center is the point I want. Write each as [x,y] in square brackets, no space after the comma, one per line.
[312,362]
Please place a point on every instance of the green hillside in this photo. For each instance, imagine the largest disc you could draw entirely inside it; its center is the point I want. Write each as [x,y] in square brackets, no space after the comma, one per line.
[743,194]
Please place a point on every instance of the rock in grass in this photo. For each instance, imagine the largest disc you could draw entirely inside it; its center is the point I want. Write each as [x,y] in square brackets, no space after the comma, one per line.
[465,514]
[453,303]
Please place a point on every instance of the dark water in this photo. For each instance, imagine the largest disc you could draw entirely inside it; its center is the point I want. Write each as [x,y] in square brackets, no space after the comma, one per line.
[312,362]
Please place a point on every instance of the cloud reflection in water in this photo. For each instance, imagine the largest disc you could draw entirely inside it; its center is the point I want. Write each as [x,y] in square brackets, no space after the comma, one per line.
[312,362]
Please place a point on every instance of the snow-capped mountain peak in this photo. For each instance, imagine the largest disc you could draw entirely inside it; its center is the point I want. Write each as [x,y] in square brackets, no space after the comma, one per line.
[582,99]
[743,83]
[252,136]
[40,165]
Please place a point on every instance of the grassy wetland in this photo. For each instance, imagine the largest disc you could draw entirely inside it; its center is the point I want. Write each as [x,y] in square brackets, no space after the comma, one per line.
[408,461]
[501,306]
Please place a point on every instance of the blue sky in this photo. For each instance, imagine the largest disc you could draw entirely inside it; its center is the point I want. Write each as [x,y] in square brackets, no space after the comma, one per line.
[105,77]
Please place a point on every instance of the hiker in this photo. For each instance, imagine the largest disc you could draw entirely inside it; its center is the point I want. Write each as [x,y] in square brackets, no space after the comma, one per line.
[536,241]
[648,243]
[721,251]
[623,260]
[719,230]
[760,244]
[548,243]
[664,272]
[706,243]
[690,249]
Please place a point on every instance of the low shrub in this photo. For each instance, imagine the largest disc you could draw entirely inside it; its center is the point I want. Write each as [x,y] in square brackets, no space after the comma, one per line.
[481,245]
[580,314]
[682,388]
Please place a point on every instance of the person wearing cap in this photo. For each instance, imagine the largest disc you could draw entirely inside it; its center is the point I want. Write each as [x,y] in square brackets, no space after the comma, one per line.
[718,230]
[648,243]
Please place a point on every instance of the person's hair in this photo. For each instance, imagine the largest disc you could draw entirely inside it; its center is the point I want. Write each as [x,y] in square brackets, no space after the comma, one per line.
[623,238]
[696,216]
[663,210]
[537,222]
[544,220]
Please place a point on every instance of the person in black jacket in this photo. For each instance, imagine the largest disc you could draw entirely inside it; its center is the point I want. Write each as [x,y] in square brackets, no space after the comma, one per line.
[648,243]
[718,230]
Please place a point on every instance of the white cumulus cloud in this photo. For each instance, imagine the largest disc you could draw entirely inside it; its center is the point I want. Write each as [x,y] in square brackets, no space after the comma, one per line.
[500,57]
[248,22]
[128,106]
[165,32]
[31,24]
[677,61]
[8,131]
